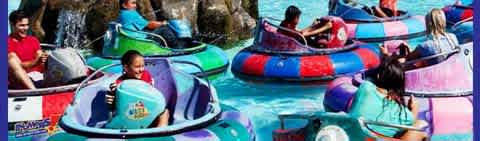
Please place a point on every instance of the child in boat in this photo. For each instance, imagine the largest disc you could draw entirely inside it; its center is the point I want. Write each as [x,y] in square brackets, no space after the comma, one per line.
[439,40]
[292,17]
[386,8]
[383,101]
[134,68]
[131,19]
[26,60]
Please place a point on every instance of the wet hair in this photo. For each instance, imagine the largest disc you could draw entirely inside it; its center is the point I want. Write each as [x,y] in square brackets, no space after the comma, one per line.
[391,76]
[123,1]
[129,56]
[435,22]
[17,16]
[292,12]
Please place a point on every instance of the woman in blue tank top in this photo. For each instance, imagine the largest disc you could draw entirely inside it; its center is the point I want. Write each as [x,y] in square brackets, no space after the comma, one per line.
[383,101]
[438,40]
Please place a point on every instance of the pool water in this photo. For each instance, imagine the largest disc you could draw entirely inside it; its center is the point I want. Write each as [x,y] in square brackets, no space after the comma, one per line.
[262,102]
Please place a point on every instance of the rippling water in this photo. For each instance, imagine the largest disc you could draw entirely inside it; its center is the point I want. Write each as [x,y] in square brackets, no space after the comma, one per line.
[262,102]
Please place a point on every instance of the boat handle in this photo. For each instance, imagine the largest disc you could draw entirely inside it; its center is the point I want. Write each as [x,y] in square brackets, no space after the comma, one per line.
[81,85]
[456,50]
[378,123]
[283,28]
[195,65]
[148,33]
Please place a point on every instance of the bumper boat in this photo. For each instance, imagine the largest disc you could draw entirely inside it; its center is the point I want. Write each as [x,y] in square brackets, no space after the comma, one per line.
[458,12]
[460,20]
[34,114]
[118,40]
[441,95]
[463,30]
[275,56]
[195,110]
[363,26]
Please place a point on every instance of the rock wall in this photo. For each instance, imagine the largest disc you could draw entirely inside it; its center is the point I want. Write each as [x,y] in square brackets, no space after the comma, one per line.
[232,19]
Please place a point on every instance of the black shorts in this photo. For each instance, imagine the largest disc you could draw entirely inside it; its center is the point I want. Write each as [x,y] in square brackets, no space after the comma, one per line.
[166,33]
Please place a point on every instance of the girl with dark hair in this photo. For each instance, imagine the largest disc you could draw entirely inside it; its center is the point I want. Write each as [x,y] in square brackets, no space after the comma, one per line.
[134,68]
[383,101]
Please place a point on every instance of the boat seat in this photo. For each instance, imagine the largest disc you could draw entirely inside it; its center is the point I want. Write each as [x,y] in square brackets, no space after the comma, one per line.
[116,32]
[100,112]
[270,39]
[193,103]
[90,108]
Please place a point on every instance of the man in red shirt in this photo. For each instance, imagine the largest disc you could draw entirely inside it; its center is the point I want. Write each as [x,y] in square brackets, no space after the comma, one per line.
[25,58]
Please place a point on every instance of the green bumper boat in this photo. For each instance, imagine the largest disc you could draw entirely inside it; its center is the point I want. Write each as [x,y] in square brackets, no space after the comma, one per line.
[118,40]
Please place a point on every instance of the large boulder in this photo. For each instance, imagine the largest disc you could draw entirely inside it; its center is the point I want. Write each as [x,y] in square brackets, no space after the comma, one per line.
[102,12]
[251,6]
[174,9]
[230,19]
[145,8]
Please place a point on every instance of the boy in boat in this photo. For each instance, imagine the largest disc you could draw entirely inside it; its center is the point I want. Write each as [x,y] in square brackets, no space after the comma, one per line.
[132,20]
[292,18]
[25,58]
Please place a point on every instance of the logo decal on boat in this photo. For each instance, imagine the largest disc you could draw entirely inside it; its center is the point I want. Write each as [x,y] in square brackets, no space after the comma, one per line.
[137,111]
[33,127]
[342,34]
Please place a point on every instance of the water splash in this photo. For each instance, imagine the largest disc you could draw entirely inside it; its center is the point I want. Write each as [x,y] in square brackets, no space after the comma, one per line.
[72,29]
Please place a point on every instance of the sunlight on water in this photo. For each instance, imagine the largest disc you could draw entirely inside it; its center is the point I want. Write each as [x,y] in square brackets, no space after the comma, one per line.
[262,102]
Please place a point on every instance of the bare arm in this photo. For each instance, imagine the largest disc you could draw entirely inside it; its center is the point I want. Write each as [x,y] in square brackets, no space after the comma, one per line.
[319,30]
[26,64]
[155,24]
[412,135]
[380,12]
[413,55]
[40,58]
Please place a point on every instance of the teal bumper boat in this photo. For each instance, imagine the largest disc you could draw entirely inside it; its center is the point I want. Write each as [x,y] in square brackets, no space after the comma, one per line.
[443,93]
[195,111]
